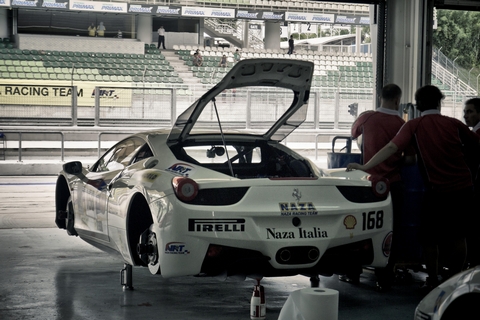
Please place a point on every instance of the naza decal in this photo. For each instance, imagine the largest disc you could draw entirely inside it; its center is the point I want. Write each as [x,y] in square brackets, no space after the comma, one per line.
[176,248]
[297,209]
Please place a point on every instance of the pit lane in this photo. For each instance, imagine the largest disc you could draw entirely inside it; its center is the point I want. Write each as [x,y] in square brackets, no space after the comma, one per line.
[47,274]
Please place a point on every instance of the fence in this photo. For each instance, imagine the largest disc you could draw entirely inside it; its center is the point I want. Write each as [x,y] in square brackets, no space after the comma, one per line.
[159,107]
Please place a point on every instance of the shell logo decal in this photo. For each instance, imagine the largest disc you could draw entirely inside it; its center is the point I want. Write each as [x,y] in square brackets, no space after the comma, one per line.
[350,222]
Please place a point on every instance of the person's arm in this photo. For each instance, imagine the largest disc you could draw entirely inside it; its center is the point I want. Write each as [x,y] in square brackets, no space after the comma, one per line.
[378,158]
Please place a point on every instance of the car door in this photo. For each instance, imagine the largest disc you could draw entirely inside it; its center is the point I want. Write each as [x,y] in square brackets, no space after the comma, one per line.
[95,191]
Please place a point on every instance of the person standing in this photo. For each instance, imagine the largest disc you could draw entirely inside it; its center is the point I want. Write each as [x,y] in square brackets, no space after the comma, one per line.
[375,129]
[236,56]
[448,200]
[161,37]
[101,30]
[92,30]
[471,114]
[290,45]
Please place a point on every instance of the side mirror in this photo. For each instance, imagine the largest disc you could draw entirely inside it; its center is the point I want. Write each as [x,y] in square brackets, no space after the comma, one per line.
[74,167]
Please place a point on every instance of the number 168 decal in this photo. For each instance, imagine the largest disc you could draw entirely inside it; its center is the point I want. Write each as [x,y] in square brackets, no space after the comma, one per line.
[372,220]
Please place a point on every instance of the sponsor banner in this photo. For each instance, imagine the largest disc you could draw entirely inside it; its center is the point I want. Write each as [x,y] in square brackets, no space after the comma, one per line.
[273,16]
[168,11]
[208,12]
[364,20]
[310,17]
[260,15]
[326,18]
[137,8]
[158,10]
[26,3]
[55,4]
[56,93]
[97,6]
[4,3]
[342,19]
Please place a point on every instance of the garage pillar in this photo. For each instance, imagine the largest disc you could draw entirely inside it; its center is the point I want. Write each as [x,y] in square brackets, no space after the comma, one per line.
[4,24]
[145,26]
[272,35]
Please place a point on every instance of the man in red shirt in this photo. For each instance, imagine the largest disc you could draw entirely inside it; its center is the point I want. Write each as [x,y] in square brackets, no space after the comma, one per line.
[446,209]
[375,129]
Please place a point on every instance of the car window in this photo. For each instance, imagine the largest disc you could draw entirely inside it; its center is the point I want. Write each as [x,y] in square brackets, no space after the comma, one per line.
[119,156]
[144,153]
[217,154]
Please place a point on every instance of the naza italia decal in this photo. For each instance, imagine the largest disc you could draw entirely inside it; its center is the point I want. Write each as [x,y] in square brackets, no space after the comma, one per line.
[216,225]
[297,209]
[301,233]
[176,248]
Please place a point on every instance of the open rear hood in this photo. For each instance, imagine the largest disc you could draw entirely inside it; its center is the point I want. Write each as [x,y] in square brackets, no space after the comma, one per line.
[284,73]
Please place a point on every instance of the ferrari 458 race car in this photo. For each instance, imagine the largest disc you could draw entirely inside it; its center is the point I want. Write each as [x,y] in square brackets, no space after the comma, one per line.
[216,202]
[456,298]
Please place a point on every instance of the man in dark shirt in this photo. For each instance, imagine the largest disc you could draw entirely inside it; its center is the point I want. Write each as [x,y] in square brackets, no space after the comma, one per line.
[290,45]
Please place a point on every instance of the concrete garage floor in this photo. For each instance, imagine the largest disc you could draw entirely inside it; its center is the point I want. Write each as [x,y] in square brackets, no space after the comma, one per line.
[46,274]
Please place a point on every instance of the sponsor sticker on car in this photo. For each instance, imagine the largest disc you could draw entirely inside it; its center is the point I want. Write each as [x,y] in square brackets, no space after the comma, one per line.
[176,248]
[182,169]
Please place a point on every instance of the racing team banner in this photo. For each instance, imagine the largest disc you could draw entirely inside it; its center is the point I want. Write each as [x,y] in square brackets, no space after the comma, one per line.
[208,12]
[59,93]
[97,6]
[260,15]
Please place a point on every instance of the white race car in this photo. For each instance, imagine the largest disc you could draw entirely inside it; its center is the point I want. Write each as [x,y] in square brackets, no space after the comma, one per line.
[222,203]
[457,298]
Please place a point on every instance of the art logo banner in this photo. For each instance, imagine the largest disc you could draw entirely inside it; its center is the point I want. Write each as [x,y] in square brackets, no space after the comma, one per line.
[59,93]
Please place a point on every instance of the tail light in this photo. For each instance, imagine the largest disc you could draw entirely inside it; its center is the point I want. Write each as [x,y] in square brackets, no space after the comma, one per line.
[380,186]
[185,188]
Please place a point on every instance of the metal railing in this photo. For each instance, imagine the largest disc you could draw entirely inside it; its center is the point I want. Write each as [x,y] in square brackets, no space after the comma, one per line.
[20,140]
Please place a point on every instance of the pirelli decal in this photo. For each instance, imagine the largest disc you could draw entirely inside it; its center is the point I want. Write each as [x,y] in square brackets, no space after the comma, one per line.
[216,225]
